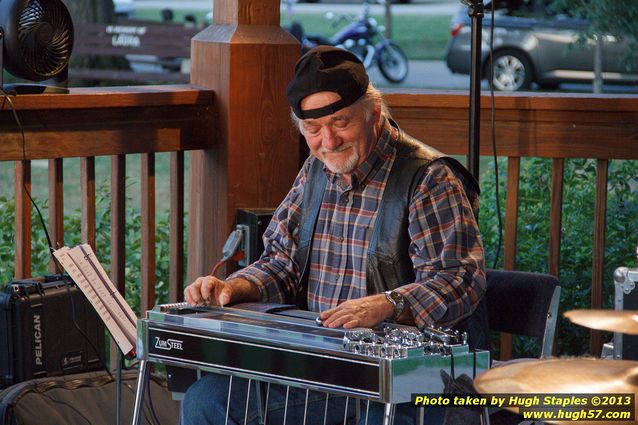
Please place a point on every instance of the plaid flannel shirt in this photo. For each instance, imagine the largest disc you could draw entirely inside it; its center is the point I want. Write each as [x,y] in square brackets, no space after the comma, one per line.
[446,249]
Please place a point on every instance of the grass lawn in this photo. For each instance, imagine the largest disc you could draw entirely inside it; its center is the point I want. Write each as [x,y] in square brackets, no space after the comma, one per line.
[421,37]
[72,194]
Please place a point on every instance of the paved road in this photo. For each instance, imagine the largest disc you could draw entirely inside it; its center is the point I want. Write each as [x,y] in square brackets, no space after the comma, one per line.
[425,74]
[436,75]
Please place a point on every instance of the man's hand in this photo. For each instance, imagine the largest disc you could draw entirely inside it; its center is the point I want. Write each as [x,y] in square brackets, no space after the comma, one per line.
[209,290]
[365,312]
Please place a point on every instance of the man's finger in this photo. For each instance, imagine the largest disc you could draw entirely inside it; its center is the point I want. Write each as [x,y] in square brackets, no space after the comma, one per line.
[324,315]
[207,286]
[225,295]
[340,320]
[351,324]
[192,293]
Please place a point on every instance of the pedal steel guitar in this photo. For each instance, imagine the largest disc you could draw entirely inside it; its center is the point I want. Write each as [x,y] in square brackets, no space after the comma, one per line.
[291,347]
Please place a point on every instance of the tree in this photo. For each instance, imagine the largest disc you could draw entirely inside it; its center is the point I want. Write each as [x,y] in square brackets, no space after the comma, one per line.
[91,11]
[95,12]
[617,18]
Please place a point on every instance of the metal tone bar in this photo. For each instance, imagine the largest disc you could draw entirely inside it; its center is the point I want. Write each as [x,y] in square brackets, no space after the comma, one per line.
[87,183]
[555,216]
[56,209]
[142,377]
[600,210]
[305,407]
[250,381]
[286,405]
[176,226]
[230,387]
[147,266]
[22,184]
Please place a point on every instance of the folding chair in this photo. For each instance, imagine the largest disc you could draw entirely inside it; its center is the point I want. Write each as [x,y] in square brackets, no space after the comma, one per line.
[523,303]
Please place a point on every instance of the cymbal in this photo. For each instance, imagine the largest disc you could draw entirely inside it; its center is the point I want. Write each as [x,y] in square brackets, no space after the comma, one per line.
[562,376]
[606,320]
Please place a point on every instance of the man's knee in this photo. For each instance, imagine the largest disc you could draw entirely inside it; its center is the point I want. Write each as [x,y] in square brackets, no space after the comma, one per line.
[205,400]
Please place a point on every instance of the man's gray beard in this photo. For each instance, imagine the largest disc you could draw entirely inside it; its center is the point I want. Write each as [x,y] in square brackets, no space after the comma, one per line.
[347,167]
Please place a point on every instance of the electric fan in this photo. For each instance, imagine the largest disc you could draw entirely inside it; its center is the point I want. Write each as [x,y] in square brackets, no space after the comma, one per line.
[37,39]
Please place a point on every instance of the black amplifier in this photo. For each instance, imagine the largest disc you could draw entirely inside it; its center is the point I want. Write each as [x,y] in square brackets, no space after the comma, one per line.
[47,328]
[253,222]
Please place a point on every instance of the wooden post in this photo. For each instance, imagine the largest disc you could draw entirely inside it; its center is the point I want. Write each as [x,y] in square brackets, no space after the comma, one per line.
[247,59]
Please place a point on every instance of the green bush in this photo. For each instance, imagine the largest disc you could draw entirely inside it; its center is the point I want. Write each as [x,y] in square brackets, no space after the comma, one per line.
[577,233]
[72,236]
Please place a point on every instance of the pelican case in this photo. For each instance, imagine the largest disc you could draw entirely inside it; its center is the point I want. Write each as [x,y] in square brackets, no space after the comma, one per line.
[47,328]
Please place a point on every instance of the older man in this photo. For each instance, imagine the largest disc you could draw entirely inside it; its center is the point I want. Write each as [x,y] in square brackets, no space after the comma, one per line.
[377,226]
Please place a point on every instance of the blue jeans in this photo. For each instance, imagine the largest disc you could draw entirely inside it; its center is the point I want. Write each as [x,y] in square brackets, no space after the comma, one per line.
[206,400]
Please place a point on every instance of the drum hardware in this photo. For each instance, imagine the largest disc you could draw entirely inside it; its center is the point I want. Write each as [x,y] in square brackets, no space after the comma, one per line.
[626,279]
[625,299]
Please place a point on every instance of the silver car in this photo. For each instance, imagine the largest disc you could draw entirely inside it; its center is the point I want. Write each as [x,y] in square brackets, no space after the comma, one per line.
[531,46]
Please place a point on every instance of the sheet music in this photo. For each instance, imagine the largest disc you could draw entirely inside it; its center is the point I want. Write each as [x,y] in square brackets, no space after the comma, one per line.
[87,272]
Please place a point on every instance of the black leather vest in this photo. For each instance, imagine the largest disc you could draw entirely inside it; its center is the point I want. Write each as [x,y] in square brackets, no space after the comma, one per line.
[388,262]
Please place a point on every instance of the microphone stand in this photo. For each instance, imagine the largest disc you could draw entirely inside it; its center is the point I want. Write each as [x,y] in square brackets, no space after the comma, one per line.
[476,12]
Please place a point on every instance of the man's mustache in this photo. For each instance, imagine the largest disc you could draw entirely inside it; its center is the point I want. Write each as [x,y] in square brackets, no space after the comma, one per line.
[337,150]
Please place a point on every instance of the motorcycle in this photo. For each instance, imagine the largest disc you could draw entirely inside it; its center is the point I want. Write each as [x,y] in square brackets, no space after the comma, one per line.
[364,37]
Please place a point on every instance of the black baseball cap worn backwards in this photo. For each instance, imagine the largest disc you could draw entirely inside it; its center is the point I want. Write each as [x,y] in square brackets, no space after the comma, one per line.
[327,68]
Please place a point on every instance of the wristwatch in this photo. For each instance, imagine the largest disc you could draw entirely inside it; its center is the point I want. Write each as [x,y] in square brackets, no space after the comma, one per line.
[397,300]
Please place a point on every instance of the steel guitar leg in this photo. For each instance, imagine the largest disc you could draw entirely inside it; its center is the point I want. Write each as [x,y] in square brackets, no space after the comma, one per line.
[345,413]
[286,406]
[421,416]
[250,381]
[388,414]
[325,411]
[485,417]
[142,378]
[230,387]
[305,407]
[266,404]
[260,406]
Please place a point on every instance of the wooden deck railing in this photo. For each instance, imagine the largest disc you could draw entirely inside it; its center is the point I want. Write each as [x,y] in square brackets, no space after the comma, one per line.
[112,122]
